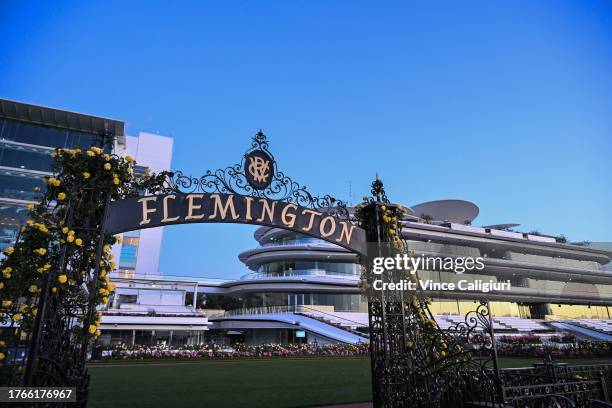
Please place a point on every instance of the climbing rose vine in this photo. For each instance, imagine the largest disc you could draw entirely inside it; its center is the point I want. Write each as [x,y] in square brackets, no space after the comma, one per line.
[56,249]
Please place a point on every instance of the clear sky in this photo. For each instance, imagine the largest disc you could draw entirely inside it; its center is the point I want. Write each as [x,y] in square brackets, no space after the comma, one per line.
[508,105]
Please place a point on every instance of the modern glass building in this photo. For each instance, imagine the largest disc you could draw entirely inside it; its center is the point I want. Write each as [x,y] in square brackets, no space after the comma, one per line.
[28,135]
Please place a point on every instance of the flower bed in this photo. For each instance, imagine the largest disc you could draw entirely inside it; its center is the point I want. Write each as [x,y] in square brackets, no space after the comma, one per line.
[520,346]
[205,351]
[556,346]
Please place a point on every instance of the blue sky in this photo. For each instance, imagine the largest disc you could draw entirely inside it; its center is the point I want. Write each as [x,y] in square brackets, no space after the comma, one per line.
[506,104]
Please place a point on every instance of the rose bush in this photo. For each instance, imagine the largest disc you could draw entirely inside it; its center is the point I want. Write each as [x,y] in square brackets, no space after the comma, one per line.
[55,253]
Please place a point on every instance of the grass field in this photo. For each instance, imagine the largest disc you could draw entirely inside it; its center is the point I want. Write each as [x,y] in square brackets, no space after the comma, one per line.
[243,383]
[262,383]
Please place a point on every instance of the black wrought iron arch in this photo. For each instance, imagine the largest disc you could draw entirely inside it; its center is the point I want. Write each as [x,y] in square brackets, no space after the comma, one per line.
[252,191]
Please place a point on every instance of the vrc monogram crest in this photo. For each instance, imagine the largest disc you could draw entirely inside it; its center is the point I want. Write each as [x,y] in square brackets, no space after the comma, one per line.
[259,169]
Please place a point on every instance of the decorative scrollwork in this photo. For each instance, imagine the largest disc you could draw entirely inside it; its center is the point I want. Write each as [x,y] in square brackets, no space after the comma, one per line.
[378,192]
[233,180]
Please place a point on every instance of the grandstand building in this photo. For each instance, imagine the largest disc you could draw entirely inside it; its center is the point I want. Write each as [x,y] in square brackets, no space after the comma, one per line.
[301,289]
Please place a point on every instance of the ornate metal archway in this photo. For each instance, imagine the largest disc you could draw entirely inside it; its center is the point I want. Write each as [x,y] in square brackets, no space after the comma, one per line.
[414,363]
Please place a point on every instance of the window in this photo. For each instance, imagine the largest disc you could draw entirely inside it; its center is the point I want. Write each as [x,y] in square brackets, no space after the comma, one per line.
[129,251]
[127,299]
[44,136]
[25,158]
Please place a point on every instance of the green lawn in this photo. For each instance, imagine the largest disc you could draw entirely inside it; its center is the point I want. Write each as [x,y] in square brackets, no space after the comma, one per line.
[263,383]
[243,383]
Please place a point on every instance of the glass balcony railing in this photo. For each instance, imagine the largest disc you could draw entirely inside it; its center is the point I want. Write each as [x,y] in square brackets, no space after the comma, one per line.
[300,272]
[298,241]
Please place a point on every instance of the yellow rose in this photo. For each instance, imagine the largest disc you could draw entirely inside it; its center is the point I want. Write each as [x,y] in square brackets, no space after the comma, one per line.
[40,270]
[2,343]
[107,248]
[8,269]
[9,250]
[106,157]
[46,267]
[7,303]
[70,232]
[61,196]
[30,206]
[86,175]
[78,241]
[104,300]
[70,238]
[1,285]
[107,166]
[116,181]
[2,356]
[23,308]
[62,278]
[16,317]
[92,328]
[65,230]
[53,290]
[90,153]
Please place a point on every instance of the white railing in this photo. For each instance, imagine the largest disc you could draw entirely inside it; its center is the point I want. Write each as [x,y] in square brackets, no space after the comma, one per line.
[300,272]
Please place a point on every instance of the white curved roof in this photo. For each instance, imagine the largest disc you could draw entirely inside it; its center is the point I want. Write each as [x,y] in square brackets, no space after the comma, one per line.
[448,210]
